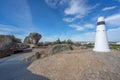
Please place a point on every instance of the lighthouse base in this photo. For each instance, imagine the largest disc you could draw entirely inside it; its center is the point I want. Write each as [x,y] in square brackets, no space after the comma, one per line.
[101,50]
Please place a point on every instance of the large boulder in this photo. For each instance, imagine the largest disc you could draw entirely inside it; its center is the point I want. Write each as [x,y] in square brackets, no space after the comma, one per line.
[58,48]
[7,42]
[33,38]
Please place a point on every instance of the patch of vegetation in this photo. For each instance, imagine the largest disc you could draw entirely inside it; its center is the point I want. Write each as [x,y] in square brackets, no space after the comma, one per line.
[77,44]
[58,41]
[112,46]
[70,42]
[115,46]
[88,45]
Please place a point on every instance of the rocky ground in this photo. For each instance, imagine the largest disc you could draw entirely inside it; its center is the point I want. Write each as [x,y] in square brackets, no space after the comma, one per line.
[79,65]
[31,55]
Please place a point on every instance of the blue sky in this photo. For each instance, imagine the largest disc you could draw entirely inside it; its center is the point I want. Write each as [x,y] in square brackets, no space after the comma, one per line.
[64,19]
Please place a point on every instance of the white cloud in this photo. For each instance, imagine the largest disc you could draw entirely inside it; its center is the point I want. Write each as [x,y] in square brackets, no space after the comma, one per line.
[11,28]
[4,28]
[113,34]
[74,8]
[78,9]
[68,19]
[83,27]
[62,2]
[3,32]
[90,36]
[89,26]
[109,8]
[77,27]
[52,3]
[113,20]
[55,3]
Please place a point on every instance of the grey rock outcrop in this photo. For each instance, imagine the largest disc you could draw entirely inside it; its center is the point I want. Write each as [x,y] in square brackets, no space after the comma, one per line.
[32,57]
[7,42]
[33,38]
[58,48]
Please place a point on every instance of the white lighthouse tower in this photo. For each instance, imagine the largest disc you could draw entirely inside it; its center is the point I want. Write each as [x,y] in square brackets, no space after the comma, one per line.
[101,42]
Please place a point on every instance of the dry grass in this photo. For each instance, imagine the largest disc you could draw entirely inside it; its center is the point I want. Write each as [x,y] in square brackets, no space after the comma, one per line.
[79,65]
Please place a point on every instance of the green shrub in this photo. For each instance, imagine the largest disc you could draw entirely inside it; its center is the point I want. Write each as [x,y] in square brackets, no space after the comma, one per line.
[88,45]
[115,46]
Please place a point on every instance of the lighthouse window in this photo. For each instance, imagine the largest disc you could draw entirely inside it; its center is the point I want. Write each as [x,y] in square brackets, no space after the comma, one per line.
[100,23]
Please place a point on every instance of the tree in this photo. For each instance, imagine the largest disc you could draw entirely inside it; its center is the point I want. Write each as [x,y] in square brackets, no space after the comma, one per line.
[69,42]
[64,42]
[58,41]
